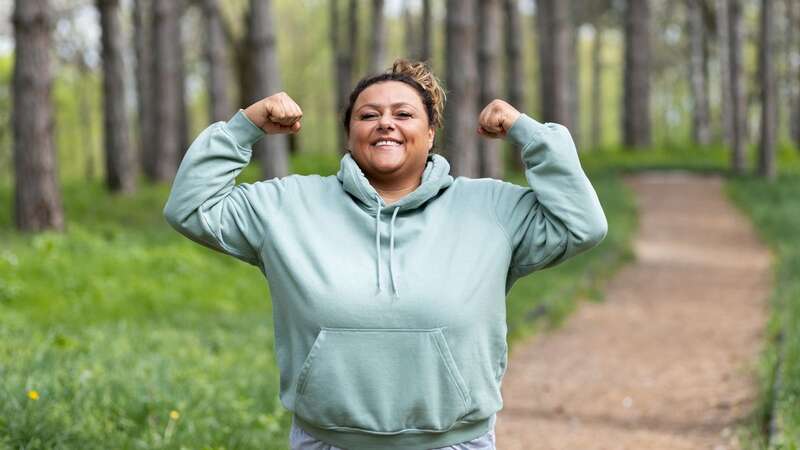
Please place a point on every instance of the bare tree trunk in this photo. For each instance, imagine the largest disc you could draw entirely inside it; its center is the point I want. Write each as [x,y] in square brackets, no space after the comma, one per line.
[143,44]
[636,92]
[490,158]
[120,167]
[343,52]
[462,82]
[180,74]
[410,33]
[426,35]
[377,58]
[515,75]
[738,96]
[794,50]
[766,151]
[723,30]
[167,85]
[272,151]
[37,195]
[697,73]
[217,58]
[353,43]
[553,37]
[597,86]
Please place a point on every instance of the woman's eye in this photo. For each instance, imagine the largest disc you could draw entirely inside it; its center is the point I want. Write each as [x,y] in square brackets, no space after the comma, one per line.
[404,114]
[368,116]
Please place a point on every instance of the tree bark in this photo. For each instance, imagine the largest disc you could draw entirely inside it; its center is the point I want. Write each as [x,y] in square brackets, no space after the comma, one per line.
[552,18]
[410,33]
[636,91]
[766,151]
[515,74]
[37,195]
[426,35]
[217,58]
[120,167]
[794,49]
[725,52]
[738,96]
[597,86]
[143,45]
[377,58]
[343,52]
[180,75]
[490,160]
[462,83]
[697,73]
[167,86]
[265,78]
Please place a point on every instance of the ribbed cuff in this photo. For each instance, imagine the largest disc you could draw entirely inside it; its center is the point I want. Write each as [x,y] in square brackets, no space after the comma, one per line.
[244,130]
[524,130]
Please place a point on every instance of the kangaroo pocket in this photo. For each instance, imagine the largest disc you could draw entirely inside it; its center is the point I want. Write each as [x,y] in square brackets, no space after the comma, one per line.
[381,381]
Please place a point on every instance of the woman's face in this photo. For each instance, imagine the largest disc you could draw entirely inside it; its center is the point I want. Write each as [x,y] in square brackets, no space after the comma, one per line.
[389,131]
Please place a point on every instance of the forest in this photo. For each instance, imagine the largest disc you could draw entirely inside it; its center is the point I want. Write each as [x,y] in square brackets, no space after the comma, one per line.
[116,332]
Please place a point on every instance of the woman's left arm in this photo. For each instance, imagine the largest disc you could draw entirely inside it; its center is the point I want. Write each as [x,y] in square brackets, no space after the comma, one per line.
[558,215]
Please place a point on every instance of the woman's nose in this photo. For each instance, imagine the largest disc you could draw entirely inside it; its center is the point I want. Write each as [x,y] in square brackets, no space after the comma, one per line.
[386,121]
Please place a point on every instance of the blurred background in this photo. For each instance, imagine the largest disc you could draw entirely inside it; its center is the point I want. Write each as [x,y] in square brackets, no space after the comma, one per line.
[116,332]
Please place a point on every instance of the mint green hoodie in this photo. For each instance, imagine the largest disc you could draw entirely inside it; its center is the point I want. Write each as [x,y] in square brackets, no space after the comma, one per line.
[390,320]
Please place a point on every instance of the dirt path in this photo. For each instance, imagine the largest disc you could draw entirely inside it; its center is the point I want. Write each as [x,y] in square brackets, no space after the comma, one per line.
[667,360]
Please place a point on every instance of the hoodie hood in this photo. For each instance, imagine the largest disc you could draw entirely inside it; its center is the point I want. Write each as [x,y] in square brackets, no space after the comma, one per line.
[435,177]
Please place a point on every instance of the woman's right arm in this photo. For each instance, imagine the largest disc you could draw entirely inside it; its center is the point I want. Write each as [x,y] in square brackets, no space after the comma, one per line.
[206,205]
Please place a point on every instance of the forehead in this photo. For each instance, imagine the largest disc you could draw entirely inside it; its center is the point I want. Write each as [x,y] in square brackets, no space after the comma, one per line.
[388,93]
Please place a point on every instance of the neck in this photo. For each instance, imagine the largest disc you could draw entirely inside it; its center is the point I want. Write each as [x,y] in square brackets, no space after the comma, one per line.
[393,190]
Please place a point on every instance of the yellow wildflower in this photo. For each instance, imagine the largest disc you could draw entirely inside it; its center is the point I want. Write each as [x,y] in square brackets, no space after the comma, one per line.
[174,415]
[33,395]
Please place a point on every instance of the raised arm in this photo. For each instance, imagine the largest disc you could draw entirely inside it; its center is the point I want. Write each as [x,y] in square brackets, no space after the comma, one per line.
[206,205]
[558,215]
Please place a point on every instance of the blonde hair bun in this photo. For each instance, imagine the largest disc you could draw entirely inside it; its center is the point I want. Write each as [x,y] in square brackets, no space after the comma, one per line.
[422,74]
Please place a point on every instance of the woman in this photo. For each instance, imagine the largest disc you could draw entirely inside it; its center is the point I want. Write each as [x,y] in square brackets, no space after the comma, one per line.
[388,280]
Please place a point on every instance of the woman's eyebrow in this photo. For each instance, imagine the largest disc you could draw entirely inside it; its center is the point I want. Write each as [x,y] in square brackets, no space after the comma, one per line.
[379,106]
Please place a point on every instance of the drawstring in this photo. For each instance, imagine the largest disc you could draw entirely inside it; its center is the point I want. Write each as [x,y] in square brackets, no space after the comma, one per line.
[391,247]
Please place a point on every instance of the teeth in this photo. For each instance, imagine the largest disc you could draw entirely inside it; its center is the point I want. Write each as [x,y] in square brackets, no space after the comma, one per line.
[379,143]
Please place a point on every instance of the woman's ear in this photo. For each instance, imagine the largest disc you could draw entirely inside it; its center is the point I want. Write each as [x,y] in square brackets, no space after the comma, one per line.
[431,137]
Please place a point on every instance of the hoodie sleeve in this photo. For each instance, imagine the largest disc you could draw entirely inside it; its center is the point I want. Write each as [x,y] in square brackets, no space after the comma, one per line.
[559,214]
[205,203]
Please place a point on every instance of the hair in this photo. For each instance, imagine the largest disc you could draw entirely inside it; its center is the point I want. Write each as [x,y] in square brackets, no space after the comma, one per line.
[416,74]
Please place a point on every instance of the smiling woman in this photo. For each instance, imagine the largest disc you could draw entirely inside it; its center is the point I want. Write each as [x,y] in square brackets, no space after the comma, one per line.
[362,365]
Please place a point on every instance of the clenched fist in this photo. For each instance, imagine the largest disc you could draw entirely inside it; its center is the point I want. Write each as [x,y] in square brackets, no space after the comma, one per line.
[276,114]
[496,119]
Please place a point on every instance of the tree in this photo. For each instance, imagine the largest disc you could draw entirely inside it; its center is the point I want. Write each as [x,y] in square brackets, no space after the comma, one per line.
[794,50]
[377,38]
[636,89]
[166,86]
[120,167]
[264,81]
[723,24]
[37,198]
[217,60]
[738,97]
[143,44]
[553,37]
[515,75]
[460,136]
[426,35]
[344,51]
[697,72]
[766,151]
[597,85]
[490,161]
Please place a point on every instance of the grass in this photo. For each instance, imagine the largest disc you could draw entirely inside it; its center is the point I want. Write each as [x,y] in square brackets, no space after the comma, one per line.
[130,336]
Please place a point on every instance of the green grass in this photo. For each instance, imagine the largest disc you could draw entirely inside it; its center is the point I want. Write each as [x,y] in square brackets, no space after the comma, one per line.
[775,210]
[120,320]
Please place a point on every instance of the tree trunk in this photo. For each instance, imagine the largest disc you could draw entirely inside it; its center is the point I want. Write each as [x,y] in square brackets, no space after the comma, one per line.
[273,150]
[343,52]
[490,158]
[697,73]
[120,167]
[410,37]
[167,86]
[636,102]
[219,102]
[143,45]
[180,74]
[723,30]
[462,83]
[515,75]
[597,86]
[352,46]
[573,88]
[37,198]
[738,96]
[794,49]
[426,35]
[766,151]
[552,17]
[377,58]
